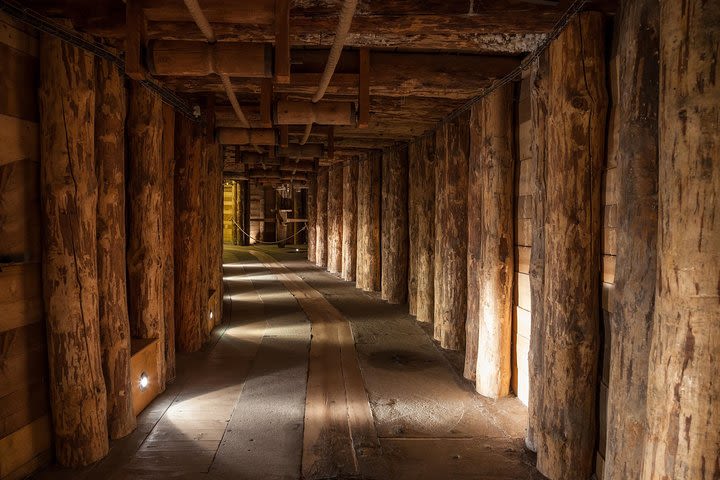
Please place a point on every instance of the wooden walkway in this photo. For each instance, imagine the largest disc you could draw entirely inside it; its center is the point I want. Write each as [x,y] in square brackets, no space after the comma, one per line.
[311,378]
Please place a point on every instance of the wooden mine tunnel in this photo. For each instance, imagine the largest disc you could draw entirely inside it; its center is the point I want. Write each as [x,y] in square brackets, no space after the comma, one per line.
[331,239]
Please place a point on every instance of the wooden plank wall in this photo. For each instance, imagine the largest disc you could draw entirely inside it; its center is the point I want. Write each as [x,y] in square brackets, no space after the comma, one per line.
[523,244]
[24,408]
[228,211]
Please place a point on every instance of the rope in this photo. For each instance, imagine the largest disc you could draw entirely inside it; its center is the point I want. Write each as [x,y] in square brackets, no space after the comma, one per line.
[269,243]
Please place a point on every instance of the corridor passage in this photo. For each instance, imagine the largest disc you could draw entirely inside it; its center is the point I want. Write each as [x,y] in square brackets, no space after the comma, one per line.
[311,378]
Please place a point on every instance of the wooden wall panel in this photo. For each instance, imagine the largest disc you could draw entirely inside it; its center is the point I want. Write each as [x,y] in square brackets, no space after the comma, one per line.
[25,431]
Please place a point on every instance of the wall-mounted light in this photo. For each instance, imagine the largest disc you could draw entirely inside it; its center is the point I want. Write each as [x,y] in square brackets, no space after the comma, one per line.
[144,381]
[211,315]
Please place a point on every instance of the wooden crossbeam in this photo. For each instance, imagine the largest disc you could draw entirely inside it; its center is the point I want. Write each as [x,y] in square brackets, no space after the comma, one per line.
[282,41]
[134,40]
[364,89]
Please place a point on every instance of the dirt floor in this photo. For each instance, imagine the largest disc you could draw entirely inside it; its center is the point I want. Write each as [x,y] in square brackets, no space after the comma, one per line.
[263,401]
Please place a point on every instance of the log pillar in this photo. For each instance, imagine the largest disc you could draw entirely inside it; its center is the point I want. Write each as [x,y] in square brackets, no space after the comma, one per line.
[350,205]
[168,215]
[395,243]
[422,234]
[577,103]
[683,408]
[474,250]
[321,218]
[112,287]
[494,280]
[213,231]
[188,297]
[538,147]
[368,229]
[311,218]
[70,285]
[335,218]
[635,128]
[451,181]
[145,256]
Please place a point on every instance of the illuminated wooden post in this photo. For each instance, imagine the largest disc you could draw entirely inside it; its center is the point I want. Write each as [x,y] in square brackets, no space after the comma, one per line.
[145,256]
[321,218]
[577,102]
[350,205]
[335,218]
[451,181]
[394,225]
[683,393]
[368,230]
[112,286]
[312,218]
[70,285]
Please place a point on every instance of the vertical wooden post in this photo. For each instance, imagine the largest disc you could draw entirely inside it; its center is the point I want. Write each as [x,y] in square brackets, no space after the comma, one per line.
[538,113]
[70,287]
[145,229]
[282,41]
[683,408]
[451,181]
[364,89]
[474,247]
[135,32]
[349,240]
[321,218]
[368,229]
[635,126]
[577,103]
[394,243]
[335,218]
[423,237]
[311,218]
[112,287]
[496,270]
[266,94]
[168,215]
[214,213]
[415,216]
[188,298]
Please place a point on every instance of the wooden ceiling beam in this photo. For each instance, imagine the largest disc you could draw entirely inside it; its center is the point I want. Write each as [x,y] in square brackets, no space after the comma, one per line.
[191,58]
[391,75]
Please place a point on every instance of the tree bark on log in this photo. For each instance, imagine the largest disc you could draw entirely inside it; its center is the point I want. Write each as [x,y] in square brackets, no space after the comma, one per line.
[538,147]
[474,251]
[321,218]
[145,255]
[214,206]
[335,218]
[110,109]
[577,103]
[424,238]
[188,298]
[635,125]
[494,283]
[368,232]
[451,182]
[350,204]
[70,286]
[168,215]
[394,245]
[415,216]
[311,218]
[683,391]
